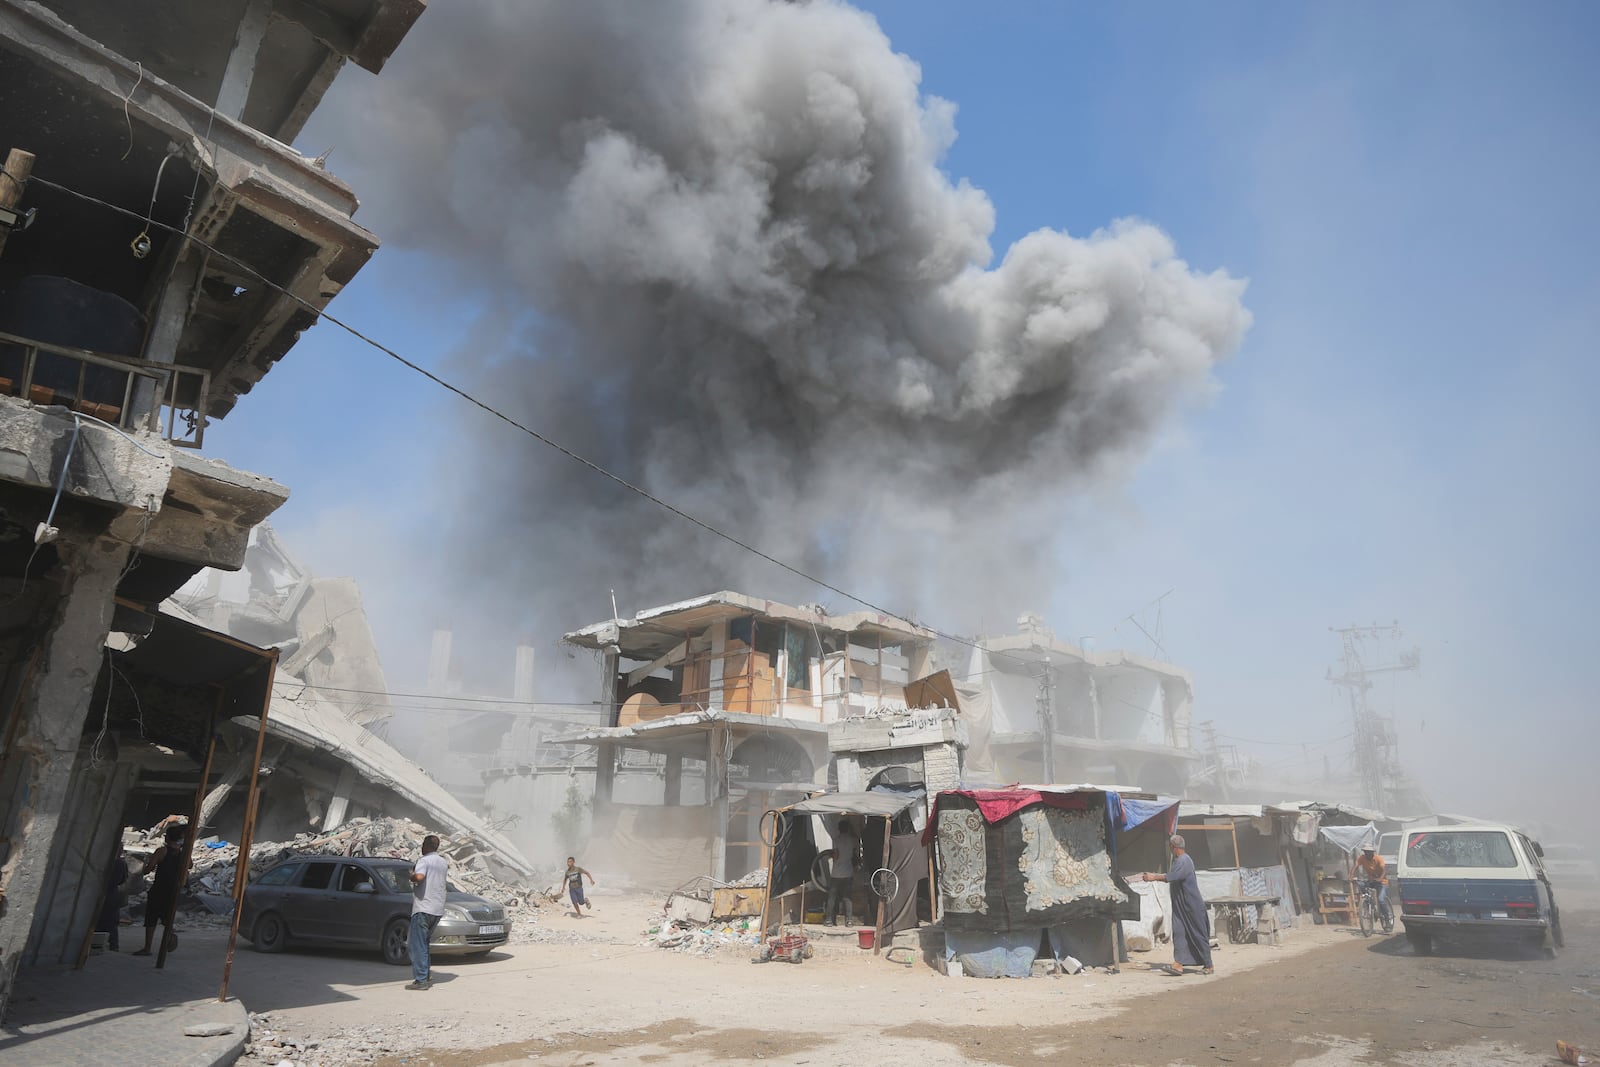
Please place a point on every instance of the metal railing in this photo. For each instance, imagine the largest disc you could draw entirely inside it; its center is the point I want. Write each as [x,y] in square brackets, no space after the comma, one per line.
[132,394]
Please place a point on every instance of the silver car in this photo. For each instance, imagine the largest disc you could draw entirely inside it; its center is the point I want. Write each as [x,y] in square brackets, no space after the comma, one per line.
[361,903]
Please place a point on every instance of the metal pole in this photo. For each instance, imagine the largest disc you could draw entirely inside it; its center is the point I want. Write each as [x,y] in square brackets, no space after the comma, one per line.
[1047,723]
[189,838]
[883,902]
[242,875]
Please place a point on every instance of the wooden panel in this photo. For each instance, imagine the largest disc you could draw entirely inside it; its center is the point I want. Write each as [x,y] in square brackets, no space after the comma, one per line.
[934,691]
[697,678]
[642,707]
[732,903]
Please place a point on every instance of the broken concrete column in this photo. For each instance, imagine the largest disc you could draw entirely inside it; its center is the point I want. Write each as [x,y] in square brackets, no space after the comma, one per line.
[339,806]
[672,787]
[218,796]
[522,681]
[719,743]
[53,711]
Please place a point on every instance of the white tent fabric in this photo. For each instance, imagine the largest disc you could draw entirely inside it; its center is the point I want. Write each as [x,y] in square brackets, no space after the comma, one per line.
[1351,838]
[874,804]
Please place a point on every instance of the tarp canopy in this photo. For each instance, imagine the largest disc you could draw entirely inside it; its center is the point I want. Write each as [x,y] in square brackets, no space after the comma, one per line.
[1128,813]
[1351,838]
[879,805]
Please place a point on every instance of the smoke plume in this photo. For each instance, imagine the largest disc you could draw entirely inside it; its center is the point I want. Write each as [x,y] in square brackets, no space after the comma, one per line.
[724,262]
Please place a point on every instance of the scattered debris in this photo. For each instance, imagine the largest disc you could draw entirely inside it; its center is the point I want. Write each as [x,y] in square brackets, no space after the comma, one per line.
[693,939]
[209,897]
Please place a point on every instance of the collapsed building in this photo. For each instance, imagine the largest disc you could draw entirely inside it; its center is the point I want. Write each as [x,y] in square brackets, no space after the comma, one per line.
[161,248]
[325,759]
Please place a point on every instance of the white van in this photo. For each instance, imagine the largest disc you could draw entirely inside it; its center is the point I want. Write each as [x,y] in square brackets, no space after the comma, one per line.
[1476,881]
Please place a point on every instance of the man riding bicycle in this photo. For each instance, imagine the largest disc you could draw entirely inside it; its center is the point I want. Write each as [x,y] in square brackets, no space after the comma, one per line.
[1370,870]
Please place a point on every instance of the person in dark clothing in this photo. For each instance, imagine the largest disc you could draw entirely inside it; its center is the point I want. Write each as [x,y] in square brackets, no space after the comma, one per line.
[1191,927]
[111,906]
[842,871]
[170,863]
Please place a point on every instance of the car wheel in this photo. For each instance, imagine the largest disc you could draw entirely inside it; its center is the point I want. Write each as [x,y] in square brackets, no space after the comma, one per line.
[270,934]
[397,942]
[1421,944]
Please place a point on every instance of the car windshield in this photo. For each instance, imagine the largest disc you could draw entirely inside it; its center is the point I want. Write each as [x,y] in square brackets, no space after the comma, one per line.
[1460,848]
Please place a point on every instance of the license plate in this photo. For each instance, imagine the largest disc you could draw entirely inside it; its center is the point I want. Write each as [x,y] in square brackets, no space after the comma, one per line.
[1498,915]
[491,929]
[1440,911]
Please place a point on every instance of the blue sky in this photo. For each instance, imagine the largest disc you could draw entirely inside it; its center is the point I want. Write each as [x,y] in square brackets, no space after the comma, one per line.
[1407,431]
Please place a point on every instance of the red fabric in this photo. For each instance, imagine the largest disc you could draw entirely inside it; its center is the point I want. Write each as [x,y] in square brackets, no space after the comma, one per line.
[996,804]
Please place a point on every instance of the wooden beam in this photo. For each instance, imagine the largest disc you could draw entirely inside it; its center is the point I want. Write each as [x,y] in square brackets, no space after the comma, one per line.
[675,655]
[242,875]
[19,165]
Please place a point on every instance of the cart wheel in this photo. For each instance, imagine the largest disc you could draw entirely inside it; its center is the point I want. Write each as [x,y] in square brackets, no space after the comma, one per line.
[797,957]
[822,868]
[810,952]
[764,956]
[773,832]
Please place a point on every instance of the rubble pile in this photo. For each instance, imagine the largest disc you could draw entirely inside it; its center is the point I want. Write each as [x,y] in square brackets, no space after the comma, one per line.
[692,939]
[754,880]
[350,1046]
[472,868]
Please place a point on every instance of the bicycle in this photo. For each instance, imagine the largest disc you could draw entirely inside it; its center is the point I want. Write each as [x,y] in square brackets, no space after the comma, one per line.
[1368,912]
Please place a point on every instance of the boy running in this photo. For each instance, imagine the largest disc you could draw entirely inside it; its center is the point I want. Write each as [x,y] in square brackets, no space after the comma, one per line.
[575,876]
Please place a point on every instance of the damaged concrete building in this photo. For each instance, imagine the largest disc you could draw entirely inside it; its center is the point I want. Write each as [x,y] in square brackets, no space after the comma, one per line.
[1113,716]
[325,759]
[717,709]
[161,247]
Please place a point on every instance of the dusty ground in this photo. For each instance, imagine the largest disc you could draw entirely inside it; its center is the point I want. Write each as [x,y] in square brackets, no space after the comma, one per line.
[1326,998]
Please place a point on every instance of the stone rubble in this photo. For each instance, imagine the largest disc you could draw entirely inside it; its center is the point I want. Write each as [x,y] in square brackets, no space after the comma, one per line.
[692,940]
[350,1047]
[208,902]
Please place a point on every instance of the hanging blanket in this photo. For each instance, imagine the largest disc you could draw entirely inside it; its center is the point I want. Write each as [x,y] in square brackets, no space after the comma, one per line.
[1042,866]
[997,804]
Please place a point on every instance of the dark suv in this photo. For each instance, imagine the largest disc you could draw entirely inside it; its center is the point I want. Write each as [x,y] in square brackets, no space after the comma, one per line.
[362,903]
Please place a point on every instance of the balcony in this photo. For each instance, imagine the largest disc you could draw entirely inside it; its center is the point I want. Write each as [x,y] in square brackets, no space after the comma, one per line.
[131,394]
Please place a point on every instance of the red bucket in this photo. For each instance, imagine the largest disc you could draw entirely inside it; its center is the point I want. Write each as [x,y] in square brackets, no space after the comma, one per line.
[866,938]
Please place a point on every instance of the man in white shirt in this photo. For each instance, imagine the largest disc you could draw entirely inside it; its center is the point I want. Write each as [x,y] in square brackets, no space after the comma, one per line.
[427,908]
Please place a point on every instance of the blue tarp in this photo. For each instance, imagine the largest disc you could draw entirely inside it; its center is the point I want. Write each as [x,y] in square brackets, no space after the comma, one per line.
[993,953]
[1128,813]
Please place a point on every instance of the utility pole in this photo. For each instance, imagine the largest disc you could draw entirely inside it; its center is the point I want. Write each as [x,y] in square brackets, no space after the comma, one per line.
[1376,746]
[1047,722]
[1209,729]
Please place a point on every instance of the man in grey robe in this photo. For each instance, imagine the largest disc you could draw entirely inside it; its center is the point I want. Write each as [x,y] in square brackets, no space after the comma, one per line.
[1191,926]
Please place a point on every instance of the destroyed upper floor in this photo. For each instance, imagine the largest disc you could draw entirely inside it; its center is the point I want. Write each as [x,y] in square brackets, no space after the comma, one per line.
[1112,698]
[732,653]
[149,123]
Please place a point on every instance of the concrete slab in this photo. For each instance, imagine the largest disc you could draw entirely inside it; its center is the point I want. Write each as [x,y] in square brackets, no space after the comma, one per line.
[118,1010]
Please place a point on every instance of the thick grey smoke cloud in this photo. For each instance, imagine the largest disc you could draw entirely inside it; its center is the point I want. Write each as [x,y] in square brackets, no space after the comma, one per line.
[726,263]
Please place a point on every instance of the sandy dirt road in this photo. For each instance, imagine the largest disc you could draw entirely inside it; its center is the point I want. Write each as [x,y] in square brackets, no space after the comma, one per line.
[1326,998]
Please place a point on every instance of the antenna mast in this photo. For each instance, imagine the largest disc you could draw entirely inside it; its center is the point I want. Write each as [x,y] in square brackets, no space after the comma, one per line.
[1377,748]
